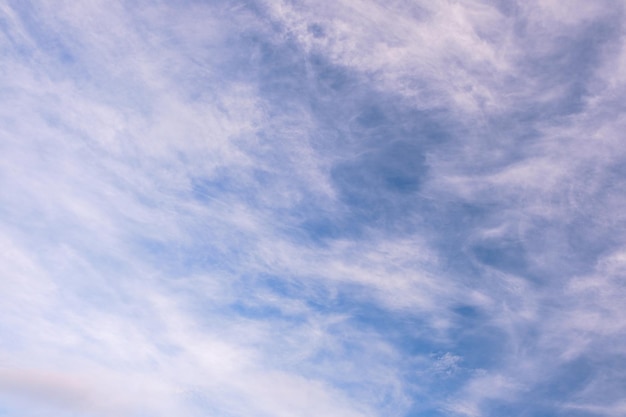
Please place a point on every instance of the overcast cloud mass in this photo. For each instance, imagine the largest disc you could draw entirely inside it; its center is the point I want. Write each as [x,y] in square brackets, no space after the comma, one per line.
[305,208]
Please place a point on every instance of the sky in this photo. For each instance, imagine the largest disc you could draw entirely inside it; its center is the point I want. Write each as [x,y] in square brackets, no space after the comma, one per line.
[304,208]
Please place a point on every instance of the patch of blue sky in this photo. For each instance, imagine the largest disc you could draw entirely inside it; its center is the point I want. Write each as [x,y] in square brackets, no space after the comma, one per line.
[44,39]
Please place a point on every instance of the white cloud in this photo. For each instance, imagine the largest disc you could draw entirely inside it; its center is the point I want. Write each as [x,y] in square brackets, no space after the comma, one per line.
[434,55]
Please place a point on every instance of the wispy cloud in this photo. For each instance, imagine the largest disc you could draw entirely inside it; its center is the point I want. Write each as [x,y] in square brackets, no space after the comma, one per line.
[301,208]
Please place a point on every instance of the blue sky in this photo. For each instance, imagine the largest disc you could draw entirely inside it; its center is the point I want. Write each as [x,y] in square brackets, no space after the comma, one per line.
[280,208]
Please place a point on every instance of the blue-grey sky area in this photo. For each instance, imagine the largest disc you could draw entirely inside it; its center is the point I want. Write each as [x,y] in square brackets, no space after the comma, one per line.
[299,208]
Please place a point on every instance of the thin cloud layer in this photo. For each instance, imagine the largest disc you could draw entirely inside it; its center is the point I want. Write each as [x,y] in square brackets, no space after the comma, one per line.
[279,208]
